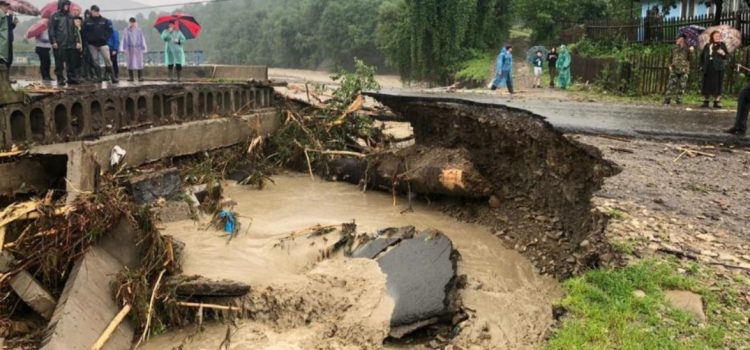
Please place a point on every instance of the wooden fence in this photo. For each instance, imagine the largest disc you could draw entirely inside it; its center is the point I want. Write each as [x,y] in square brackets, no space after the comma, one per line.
[645,74]
[650,30]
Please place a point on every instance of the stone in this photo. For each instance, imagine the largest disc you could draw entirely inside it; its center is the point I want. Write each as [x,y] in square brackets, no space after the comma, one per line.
[585,244]
[639,294]
[687,301]
[173,211]
[86,306]
[149,188]
[705,237]
[494,202]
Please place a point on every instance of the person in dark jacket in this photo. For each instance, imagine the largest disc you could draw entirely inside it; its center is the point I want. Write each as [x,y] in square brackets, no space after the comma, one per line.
[552,64]
[97,31]
[743,108]
[65,43]
[713,61]
[11,21]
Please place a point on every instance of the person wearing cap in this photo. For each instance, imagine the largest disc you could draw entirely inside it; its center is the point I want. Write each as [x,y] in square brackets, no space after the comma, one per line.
[133,44]
[97,30]
[65,42]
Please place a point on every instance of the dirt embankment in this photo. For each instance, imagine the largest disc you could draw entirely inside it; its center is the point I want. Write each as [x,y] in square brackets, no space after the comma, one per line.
[540,182]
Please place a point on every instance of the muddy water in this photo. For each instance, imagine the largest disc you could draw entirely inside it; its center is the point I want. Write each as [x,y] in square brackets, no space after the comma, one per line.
[512,304]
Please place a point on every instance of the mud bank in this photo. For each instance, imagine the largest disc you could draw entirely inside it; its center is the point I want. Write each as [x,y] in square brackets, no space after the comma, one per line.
[342,303]
[536,183]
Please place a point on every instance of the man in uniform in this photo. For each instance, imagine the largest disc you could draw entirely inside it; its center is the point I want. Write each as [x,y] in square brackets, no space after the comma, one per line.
[678,72]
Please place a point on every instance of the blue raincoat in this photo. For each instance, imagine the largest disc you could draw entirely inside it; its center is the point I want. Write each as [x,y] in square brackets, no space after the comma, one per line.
[503,69]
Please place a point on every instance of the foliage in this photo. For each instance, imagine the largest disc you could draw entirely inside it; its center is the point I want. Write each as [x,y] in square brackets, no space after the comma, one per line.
[548,17]
[605,314]
[427,39]
[476,71]
[619,50]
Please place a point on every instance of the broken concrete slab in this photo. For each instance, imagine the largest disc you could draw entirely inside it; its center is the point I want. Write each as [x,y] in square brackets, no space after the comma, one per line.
[29,289]
[149,188]
[121,242]
[173,211]
[687,301]
[86,306]
[420,274]
[385,238]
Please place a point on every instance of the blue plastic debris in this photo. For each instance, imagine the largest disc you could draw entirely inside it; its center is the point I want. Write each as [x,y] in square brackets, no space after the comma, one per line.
[229,221]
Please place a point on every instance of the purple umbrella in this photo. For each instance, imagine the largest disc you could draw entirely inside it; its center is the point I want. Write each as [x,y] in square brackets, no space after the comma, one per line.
[691,34]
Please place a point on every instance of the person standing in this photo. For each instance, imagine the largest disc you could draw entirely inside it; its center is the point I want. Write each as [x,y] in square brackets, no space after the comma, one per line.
[743,107]
[114,45]
[504,69]
[65,41]
[174,55]
[552,64]
[43,48]
[11,21]
[538,63]
[678,72]
[713,62]
[563,68]
[134,45]
[97,31]
[5,44]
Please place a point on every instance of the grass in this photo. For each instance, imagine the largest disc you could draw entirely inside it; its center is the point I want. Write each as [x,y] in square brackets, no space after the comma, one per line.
[605,314]
[614,213]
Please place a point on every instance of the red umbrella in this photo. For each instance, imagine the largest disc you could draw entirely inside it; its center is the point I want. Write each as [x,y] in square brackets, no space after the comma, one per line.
[37,28]
[187,24]
[50,9]
[24,7]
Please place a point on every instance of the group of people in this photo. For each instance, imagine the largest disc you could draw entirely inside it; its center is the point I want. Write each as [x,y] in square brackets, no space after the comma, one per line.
[558,63]
[713,62]
[79,45]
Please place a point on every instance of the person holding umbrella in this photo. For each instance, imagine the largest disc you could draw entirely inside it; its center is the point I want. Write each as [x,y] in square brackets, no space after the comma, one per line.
[134,45]
[10,21]
[65,42]
[174,54]
[713,61]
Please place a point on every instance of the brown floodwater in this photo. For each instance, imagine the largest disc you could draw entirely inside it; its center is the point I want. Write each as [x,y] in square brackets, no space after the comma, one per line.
[510,302]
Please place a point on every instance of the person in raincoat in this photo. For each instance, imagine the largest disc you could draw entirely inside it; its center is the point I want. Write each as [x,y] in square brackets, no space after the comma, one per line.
[66,43]
[133,44]
[174,55]
[563,68]
[504,69]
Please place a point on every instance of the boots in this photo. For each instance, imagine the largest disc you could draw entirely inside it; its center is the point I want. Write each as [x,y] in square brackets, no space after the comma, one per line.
[171,75]
[705,104]
[717,105]
[140,75]
[112,75]
[667,101]
[179,76]
[130,75]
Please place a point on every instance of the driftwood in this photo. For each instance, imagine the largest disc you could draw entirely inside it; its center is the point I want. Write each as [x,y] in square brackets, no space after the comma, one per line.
[203,287]
[111,328]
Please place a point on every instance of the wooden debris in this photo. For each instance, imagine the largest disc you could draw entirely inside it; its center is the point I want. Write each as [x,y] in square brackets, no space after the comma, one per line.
[207,306]
[111,328]
[204,287]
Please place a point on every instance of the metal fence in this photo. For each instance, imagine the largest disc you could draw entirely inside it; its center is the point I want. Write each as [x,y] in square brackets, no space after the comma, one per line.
[192,58]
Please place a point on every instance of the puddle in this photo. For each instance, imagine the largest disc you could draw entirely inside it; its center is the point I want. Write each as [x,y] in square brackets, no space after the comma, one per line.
[512,302]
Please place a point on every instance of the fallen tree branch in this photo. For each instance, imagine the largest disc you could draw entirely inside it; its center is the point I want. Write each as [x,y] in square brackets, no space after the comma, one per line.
[208,306]
[111,328]
[337,153]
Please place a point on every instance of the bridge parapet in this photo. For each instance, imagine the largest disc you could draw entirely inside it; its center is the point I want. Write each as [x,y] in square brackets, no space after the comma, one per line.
[88,113]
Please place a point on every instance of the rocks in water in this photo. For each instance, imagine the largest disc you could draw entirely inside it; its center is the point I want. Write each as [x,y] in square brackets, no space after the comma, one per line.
[148,188]
[421,275]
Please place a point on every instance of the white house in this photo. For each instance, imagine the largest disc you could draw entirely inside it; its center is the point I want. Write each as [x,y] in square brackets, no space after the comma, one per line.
[689,8]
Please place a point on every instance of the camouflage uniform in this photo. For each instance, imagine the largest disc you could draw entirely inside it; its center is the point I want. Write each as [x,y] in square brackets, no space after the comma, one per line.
[678,77]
